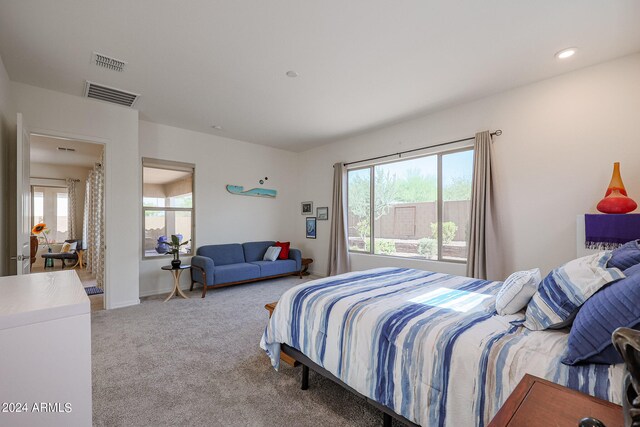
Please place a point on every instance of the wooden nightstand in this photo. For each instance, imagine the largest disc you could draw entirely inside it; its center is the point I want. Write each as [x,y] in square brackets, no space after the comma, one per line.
[284,357]
[537,402]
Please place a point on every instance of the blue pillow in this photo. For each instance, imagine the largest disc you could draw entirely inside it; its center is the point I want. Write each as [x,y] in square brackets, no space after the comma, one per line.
[612,307]
[626,255]
[632,270]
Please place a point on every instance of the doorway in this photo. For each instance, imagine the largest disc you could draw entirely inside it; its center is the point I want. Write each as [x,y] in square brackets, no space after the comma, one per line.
[67,210]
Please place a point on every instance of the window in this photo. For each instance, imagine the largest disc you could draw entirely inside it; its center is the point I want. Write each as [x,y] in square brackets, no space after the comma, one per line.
[414,208]
[50,205]
[167,204]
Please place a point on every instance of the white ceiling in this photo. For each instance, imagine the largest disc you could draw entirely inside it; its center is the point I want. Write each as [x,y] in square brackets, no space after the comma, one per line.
[361,63]
[44,149]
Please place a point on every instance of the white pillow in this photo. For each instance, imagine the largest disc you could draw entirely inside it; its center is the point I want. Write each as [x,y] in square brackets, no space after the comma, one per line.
[272,253]
[517,290]
[69,247]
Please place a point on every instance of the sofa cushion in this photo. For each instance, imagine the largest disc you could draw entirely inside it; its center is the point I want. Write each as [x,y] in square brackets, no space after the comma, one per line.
[273,268]
[272,253]
[223,254]
[254,251]
[284,253]
[236,273]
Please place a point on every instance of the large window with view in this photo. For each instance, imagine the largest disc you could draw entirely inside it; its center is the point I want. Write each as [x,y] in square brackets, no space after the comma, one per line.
[414,208]
[167,204]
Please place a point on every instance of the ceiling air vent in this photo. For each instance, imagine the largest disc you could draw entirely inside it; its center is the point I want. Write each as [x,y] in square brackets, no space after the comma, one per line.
[110,94]
[108,62]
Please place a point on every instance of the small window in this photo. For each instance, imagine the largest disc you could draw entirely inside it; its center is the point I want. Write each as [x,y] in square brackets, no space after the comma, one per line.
[167,204]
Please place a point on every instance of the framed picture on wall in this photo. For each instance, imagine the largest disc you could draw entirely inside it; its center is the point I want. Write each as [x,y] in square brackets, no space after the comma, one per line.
[307,208]
[311,227]
[322,214]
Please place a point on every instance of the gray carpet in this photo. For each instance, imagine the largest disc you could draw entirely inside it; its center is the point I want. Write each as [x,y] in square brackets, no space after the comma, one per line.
[198,363]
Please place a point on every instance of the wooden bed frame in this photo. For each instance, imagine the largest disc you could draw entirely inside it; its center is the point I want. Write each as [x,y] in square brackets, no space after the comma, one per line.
[388,414]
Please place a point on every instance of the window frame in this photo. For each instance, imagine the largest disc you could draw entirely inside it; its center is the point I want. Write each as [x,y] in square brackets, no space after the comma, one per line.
[371,205]
[439,203]
[172,166]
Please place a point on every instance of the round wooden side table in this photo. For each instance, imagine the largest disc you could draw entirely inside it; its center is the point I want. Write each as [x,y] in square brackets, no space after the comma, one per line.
[176,280]
[305,266]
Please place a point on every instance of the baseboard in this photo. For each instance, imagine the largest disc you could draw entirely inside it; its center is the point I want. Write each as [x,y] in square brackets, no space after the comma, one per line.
[315,273]
[198,287]
[154,292]
[125,304]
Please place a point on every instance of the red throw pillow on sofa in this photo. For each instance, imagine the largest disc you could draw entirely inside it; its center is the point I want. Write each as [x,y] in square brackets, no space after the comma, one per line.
[284,252]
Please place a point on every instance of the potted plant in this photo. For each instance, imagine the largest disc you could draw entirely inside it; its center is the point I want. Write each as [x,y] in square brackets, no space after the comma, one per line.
[175,246]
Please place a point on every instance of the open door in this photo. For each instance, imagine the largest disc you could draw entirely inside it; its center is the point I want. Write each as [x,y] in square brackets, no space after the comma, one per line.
[23,199]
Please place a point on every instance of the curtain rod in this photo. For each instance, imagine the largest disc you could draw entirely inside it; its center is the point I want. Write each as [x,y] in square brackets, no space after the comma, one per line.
[496,133]
[53,179]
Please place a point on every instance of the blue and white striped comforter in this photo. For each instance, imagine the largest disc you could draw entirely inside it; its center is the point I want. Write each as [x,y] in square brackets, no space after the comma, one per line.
[427,345]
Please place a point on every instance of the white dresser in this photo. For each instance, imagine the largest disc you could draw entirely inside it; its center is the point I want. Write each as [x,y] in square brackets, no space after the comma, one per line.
[45,350]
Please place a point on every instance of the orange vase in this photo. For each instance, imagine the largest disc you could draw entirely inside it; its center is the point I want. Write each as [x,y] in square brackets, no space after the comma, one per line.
[615,199]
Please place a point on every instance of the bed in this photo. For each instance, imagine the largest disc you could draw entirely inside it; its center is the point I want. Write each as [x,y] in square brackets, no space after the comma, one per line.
[427,346]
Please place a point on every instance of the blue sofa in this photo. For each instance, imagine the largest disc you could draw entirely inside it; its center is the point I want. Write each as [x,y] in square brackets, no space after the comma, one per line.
[223,265]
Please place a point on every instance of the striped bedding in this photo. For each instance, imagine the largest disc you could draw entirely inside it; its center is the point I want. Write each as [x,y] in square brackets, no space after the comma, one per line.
[427,345]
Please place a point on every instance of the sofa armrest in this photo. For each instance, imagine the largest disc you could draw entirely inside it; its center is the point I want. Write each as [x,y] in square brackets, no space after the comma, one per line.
[296,255]
[202,264]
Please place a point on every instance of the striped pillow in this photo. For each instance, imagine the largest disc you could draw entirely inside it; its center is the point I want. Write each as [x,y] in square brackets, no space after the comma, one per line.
[272,253]
[566,288]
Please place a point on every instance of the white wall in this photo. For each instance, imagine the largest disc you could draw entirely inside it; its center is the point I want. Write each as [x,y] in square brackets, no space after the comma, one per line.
[553,162]
[57,114]
[220,216]
[57,171]
[7,125]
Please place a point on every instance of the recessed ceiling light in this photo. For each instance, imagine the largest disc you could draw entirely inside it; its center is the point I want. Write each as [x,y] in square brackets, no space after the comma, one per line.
[566,53]
[292,73]
[216,127]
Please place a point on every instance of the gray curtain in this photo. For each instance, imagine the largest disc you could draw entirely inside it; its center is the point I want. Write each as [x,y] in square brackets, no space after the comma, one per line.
[339,236]
[482,259]
[93,230]
[72,223]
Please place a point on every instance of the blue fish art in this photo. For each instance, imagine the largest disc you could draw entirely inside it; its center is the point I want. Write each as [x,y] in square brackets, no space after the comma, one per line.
[238,190]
